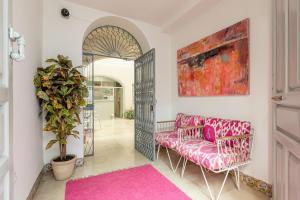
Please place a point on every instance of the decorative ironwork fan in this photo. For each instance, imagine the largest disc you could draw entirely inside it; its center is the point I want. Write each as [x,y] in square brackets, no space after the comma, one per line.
[111,41]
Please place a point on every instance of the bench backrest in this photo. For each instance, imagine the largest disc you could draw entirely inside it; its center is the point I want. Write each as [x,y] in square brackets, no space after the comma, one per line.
[216,127]
[183,120]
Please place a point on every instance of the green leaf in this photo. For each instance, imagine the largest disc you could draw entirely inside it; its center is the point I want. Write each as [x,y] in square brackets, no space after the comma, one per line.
[82,102]
[41,71]
[68,82]
[51,143]
[42,95]
[69,104]
[52,60]
[75,134]
[56,104]
[50,68]
[69,91]
[63,90]
[78,118]
[50,109]
[64,112]
[37,81]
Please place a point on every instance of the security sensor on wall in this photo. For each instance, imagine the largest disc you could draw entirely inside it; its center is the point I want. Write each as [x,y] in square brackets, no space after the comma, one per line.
[65,13]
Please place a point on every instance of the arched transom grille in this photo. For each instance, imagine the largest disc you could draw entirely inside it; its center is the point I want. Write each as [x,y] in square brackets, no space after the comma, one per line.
[112,41]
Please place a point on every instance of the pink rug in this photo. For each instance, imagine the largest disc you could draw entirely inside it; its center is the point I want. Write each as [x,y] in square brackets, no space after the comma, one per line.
[139,183]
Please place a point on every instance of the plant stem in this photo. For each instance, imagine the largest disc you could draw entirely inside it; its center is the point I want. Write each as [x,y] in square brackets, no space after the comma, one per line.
[63,151]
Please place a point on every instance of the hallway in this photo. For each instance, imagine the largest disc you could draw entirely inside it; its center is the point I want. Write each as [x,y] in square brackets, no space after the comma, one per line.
[114,149]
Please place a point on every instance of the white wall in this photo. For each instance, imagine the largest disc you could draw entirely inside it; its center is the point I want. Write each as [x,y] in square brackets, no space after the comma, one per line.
[27,130]
[66,36]
[103,110]
[206,19]
[121,71]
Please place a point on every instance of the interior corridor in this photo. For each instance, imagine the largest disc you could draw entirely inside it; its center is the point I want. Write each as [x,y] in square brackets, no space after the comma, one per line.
[114,149]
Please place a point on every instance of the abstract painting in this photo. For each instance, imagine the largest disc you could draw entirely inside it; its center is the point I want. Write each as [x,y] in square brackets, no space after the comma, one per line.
[217,65]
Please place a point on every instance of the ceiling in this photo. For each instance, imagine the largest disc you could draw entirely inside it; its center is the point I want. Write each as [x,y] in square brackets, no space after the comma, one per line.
[156,12]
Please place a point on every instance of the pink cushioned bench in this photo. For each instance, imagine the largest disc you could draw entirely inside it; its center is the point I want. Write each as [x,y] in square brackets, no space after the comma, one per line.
[218,145]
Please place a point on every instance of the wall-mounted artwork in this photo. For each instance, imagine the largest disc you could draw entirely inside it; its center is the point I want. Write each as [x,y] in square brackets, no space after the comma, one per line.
[217,65]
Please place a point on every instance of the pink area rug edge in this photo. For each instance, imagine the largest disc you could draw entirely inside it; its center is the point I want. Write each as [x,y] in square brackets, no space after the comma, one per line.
[142,182]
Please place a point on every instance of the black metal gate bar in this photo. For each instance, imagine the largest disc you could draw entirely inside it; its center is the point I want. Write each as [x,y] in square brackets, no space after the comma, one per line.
[144,86]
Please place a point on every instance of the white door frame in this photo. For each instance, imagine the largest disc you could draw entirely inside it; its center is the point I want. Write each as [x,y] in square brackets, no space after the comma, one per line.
[6,158]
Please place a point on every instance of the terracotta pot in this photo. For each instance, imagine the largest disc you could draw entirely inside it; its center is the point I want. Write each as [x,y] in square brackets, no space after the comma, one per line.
[63,170]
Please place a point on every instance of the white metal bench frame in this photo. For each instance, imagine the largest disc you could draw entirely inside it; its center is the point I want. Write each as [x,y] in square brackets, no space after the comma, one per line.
[229,146]
[164,126]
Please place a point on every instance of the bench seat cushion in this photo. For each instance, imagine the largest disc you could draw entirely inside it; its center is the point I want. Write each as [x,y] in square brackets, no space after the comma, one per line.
[168,139]
[203,153]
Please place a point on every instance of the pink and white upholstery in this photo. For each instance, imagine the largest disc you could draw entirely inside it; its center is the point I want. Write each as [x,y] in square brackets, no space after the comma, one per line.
[189,120]
[178,120]
[167,131]
[167,134]
[224,145]
[168,139]
[216,127]
[204,153]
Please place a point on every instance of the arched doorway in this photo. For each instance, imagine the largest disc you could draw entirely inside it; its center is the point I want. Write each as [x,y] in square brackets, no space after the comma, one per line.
[107,42]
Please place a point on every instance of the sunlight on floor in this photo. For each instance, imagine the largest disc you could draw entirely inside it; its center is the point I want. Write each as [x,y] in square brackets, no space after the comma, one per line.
[114,149]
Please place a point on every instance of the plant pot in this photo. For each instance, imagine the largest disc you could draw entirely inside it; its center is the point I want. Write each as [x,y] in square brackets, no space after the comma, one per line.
[63,170]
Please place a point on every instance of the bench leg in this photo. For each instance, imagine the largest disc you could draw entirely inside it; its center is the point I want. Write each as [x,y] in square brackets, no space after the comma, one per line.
[183,166]
[211,196]
[220,191]
[171,164]
[227,172]
[178,164]
[157,154]
[170,159]
[237,177]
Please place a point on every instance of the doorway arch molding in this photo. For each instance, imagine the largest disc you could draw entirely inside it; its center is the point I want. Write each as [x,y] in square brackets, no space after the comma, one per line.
[112,41]
[121,23]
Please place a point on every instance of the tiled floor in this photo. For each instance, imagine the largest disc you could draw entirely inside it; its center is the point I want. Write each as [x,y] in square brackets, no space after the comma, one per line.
[114,150]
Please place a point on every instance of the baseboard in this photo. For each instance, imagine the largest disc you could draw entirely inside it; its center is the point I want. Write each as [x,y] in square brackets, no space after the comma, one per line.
[35,185]
[257,184]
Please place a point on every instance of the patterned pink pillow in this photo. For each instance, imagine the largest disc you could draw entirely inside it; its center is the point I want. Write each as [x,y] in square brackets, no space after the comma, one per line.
[209,129]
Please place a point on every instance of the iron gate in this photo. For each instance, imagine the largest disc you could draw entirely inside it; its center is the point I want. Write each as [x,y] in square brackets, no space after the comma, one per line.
[144,97]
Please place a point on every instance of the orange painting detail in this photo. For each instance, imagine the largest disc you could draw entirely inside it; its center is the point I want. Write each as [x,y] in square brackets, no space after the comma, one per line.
[217,65]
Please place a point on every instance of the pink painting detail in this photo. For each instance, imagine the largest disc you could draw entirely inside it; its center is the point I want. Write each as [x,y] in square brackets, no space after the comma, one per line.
[137,183]
[217,65]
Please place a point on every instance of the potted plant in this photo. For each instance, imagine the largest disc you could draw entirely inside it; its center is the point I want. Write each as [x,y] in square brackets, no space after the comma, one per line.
[61,91]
